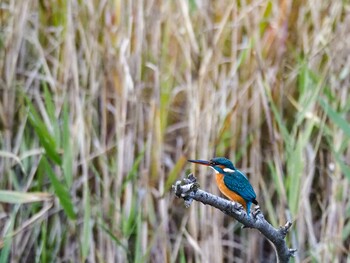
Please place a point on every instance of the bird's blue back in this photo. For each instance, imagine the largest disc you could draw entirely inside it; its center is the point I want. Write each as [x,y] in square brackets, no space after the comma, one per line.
[237,182]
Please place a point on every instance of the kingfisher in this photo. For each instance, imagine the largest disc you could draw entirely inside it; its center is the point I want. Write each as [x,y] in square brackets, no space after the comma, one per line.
[231,182]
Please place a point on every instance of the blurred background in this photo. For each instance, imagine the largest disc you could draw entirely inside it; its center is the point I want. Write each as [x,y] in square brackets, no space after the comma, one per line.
[102,102]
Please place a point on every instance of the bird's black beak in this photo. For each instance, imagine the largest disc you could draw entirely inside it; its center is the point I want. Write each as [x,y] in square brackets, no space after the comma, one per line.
[207,163]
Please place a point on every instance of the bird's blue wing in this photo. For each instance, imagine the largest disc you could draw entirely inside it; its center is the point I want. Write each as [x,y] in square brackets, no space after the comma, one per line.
[238,183]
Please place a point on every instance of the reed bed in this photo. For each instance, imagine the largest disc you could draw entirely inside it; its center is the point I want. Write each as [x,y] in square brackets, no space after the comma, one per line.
[102,102]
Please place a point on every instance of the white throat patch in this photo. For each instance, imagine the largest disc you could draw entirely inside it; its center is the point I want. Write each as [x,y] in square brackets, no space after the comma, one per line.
[214,169]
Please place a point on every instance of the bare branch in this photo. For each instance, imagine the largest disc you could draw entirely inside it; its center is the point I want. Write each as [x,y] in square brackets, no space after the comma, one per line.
[188,189]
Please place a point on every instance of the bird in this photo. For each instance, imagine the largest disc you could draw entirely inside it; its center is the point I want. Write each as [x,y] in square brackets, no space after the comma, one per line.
[231,182]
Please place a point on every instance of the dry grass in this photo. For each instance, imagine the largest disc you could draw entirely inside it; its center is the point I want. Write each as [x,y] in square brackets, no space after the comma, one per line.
[116,95]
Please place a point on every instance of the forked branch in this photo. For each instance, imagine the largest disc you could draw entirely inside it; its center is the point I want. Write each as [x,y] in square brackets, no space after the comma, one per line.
[188,189]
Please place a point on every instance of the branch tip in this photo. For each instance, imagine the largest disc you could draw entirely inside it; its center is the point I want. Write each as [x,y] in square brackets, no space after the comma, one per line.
[192,178]
[292,252]
[184,187]
[284,229]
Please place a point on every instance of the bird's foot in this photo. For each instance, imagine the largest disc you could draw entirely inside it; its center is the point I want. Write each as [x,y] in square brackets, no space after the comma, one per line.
[256,212]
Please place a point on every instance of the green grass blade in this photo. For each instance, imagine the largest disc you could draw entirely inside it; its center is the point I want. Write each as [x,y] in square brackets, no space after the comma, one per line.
[113,237]
[281,125]
[60,191]
[265,22]
[243,55]
[50,109]
[116,241]
[43,241]
[129,222]
[182,255]
[7,241]
[345,168]
[67,157]
[346,232]
[13,197]
[45,137]
[295,167]
[134,169]
[336,117]
[138,250]
[87,223]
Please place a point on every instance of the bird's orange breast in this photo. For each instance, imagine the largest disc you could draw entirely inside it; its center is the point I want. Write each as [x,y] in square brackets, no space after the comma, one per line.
[227,192]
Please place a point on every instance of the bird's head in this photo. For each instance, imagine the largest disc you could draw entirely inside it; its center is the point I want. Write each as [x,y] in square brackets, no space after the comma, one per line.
[219,164]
